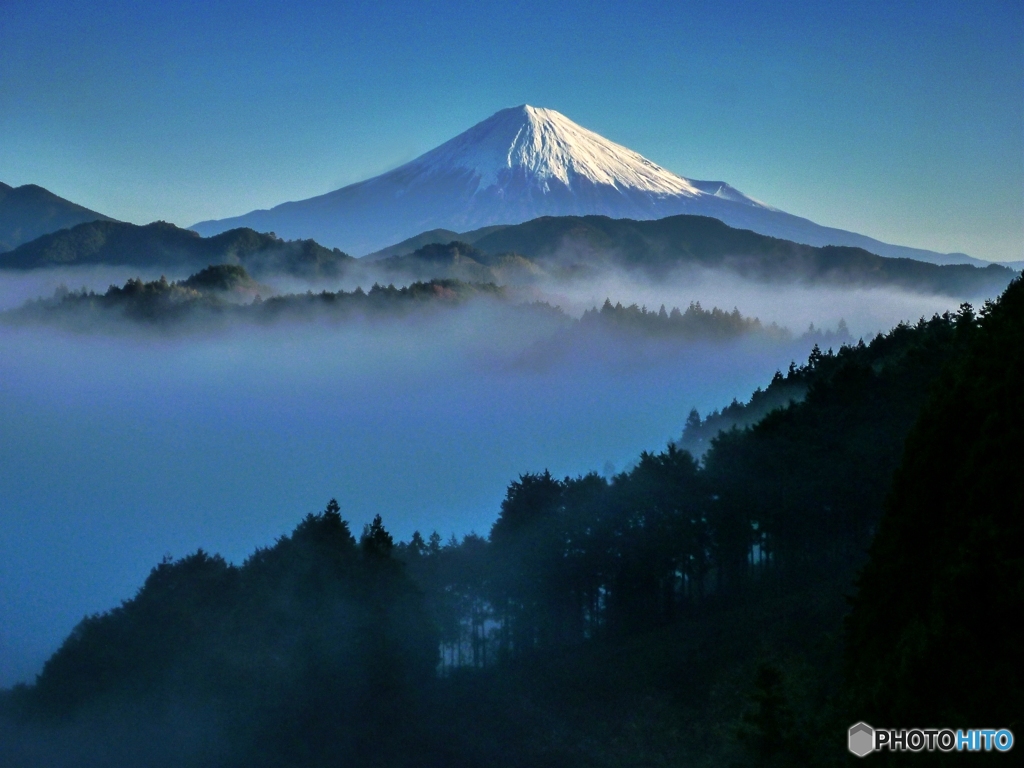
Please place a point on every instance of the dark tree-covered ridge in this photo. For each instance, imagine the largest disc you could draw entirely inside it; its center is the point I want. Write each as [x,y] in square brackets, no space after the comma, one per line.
[681,611]
[661,245]
[934,636]
[799,492]
[304,651]
[226,292]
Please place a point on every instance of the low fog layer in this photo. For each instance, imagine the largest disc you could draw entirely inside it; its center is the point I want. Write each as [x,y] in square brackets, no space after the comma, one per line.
[117,449]
[866,311]
[17,286]
[793,305]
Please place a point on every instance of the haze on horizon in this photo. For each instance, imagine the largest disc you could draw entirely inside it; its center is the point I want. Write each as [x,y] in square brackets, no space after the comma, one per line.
[126,443]
[899,123]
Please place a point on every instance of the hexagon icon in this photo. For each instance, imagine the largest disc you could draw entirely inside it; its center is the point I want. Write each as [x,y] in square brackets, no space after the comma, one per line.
[861,739]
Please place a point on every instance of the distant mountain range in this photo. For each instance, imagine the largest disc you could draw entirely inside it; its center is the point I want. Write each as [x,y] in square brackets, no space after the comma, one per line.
[523,163]
[569,247]
[564,248]
[164,245]
[28,212]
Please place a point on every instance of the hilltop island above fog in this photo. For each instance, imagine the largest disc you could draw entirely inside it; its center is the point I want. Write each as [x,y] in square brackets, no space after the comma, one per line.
[227,293]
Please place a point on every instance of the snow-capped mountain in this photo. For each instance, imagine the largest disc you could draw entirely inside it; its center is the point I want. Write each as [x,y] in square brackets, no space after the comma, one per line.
[545,150]
[520,164]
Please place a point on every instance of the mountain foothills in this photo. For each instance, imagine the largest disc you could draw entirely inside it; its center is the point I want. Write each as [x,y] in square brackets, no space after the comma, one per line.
[520,164]
[163,245]
[564,248]
[570,247]
[681,612]
[28,212]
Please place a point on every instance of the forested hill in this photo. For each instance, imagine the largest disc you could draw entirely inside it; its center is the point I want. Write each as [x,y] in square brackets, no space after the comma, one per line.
[799,493]
[226,293]
[933,635]
[163,245]
[680,612]
[312,648]
[662,245]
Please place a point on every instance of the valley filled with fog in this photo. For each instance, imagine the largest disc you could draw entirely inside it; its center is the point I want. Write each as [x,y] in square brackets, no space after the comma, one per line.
[126,444]
[443,387]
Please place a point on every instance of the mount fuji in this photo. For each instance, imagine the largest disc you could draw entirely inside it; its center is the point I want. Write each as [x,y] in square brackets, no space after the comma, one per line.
[520,164]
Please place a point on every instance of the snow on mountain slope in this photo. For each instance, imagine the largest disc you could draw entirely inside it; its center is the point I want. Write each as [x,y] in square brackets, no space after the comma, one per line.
[548,147]
[519,164]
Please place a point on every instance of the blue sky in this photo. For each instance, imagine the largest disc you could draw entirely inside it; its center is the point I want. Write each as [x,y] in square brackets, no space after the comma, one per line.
[904,121]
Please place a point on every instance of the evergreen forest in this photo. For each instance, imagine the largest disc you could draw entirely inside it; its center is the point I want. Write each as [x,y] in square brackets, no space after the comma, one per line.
[845,546]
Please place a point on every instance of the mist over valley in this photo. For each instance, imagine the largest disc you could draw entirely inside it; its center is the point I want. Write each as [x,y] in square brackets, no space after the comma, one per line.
[173,409]
[443,440]
[126,438]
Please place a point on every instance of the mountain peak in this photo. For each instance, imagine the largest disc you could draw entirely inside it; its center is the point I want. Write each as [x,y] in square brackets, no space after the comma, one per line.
[547,147]
[30,211]
[522,163]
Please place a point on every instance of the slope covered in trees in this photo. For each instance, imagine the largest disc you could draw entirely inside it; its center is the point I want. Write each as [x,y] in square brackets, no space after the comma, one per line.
[798,493]
[226,292]
[568,248]
[166,246]
[457,260]
[662,245]
[306,653]
[944,646]
[682,612]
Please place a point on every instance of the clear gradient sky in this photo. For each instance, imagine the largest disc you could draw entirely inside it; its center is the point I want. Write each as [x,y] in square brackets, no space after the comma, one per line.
[903,121]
